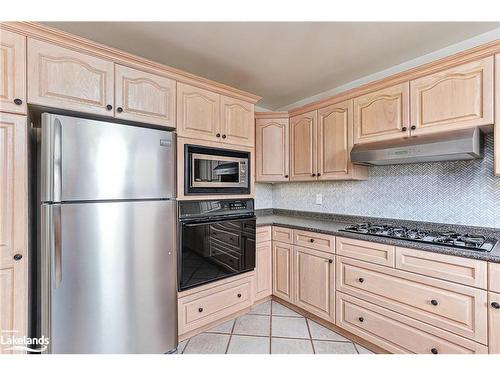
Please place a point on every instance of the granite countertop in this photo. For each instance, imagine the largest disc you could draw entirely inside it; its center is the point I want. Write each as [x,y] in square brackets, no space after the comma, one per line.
[332,224]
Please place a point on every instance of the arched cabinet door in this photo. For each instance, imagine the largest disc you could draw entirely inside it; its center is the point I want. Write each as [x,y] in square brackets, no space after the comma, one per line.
[272,150]
[382,114]
[303,147]
[12,72]
[237,122]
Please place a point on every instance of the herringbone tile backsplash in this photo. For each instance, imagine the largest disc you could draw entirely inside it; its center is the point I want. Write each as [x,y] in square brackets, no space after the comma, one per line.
[460,192]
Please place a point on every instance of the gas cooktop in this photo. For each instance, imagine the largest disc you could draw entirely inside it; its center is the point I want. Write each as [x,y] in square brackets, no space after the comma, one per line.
[451,239]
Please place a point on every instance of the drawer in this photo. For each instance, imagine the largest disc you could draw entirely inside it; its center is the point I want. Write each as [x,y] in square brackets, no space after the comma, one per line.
[210,305]
[494,277]
[457,308]
[447,267]
[368,251]
[263,234]
[316,241]
[398,333]
[282,234]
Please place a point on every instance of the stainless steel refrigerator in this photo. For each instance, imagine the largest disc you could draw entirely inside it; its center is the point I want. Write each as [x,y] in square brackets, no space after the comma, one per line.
[107,215]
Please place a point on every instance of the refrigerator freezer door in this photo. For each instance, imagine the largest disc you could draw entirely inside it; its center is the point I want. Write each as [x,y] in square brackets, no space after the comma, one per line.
[115,288]
[93,160]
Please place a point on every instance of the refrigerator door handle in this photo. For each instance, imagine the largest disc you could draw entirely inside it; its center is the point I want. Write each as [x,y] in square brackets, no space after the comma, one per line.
[57,248]
[51,158]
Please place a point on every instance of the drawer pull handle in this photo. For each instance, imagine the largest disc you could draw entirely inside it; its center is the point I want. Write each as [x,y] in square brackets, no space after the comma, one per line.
[330,261]
[434,302]
[200,309]
[361,280]
[119,109]
[404,128]
[434,351]
[239,295]
[286,176]
[18,101]
[495,305]
[18,257]
[311,240]
[361,319]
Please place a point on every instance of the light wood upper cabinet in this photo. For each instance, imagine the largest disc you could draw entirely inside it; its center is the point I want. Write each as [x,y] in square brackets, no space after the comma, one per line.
[12,72]
[303,147]
[455,98]
[282,270]
[64,78]
[13,225]
[315,282]
[198,113]
[494,322]
[272,151]
[237,122]
[382,114]
[144,97]
[263,270]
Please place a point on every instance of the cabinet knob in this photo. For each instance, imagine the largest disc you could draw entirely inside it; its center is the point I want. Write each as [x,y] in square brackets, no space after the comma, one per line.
[495,305]
[286,176]
[119,109]
[361,280]
[218,135]
[434,302]
[311,239]
[404,128]
[239,295]
[18,257]
[413,127]
[434,351]
[223,136]
[319,174]
[314,174]
[18,101]
[200,309]
[361,319]
[330,261]
[109,107]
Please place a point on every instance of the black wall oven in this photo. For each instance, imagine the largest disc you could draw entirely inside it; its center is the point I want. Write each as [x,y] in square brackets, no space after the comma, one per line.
[216,240]
[215,171]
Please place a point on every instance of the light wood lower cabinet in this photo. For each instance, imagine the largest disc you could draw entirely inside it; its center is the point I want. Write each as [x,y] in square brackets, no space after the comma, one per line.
[494,277]
[367,251]
[63,78]
[494,322]
[282,270]
[452,99]
[282,234]
[383,114]
[398,333]
[12,72]
[13,227]
[314,282]
[144,97]
[263,270]
[272,150]
[263,234]
[315,241]
[457,308]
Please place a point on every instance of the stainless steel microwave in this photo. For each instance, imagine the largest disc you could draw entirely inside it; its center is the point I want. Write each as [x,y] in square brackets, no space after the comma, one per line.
[215,171]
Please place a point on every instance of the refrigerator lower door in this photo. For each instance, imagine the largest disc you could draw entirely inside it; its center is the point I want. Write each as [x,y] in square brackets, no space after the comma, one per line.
[112,280]
[84,160]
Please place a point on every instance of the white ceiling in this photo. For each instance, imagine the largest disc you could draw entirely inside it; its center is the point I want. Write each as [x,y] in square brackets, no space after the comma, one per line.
[282,62]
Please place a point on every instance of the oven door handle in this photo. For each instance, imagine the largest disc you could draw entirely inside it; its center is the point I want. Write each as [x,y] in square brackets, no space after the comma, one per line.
[210,221]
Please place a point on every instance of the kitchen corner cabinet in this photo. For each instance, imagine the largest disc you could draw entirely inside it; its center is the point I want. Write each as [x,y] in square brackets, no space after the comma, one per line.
[314,282]
[13,225]
[282,270]
[303,147]
[12,72]
[494,322]
[272,150]
[237,122]
[382,114]
[63,78]
[456,98]
[144,97]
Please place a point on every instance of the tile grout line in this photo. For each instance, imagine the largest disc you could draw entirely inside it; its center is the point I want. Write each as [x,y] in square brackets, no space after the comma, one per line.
[310,336]
[230,335]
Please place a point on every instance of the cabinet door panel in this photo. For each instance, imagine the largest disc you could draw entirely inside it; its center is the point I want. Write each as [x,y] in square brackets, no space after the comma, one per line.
[198,113]
[494,322]
[12,72]
[144,97]
[282,270]
[13,225]
[303,147]
[314,282]
[456,98]
[263,270]
[67,79]
[272,151]
[382,115]
[238,122]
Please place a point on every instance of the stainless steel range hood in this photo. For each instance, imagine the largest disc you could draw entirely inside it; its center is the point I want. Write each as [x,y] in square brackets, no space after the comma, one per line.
[457,145]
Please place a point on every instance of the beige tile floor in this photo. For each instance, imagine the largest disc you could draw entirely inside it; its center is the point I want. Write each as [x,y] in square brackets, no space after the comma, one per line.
[270,328]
